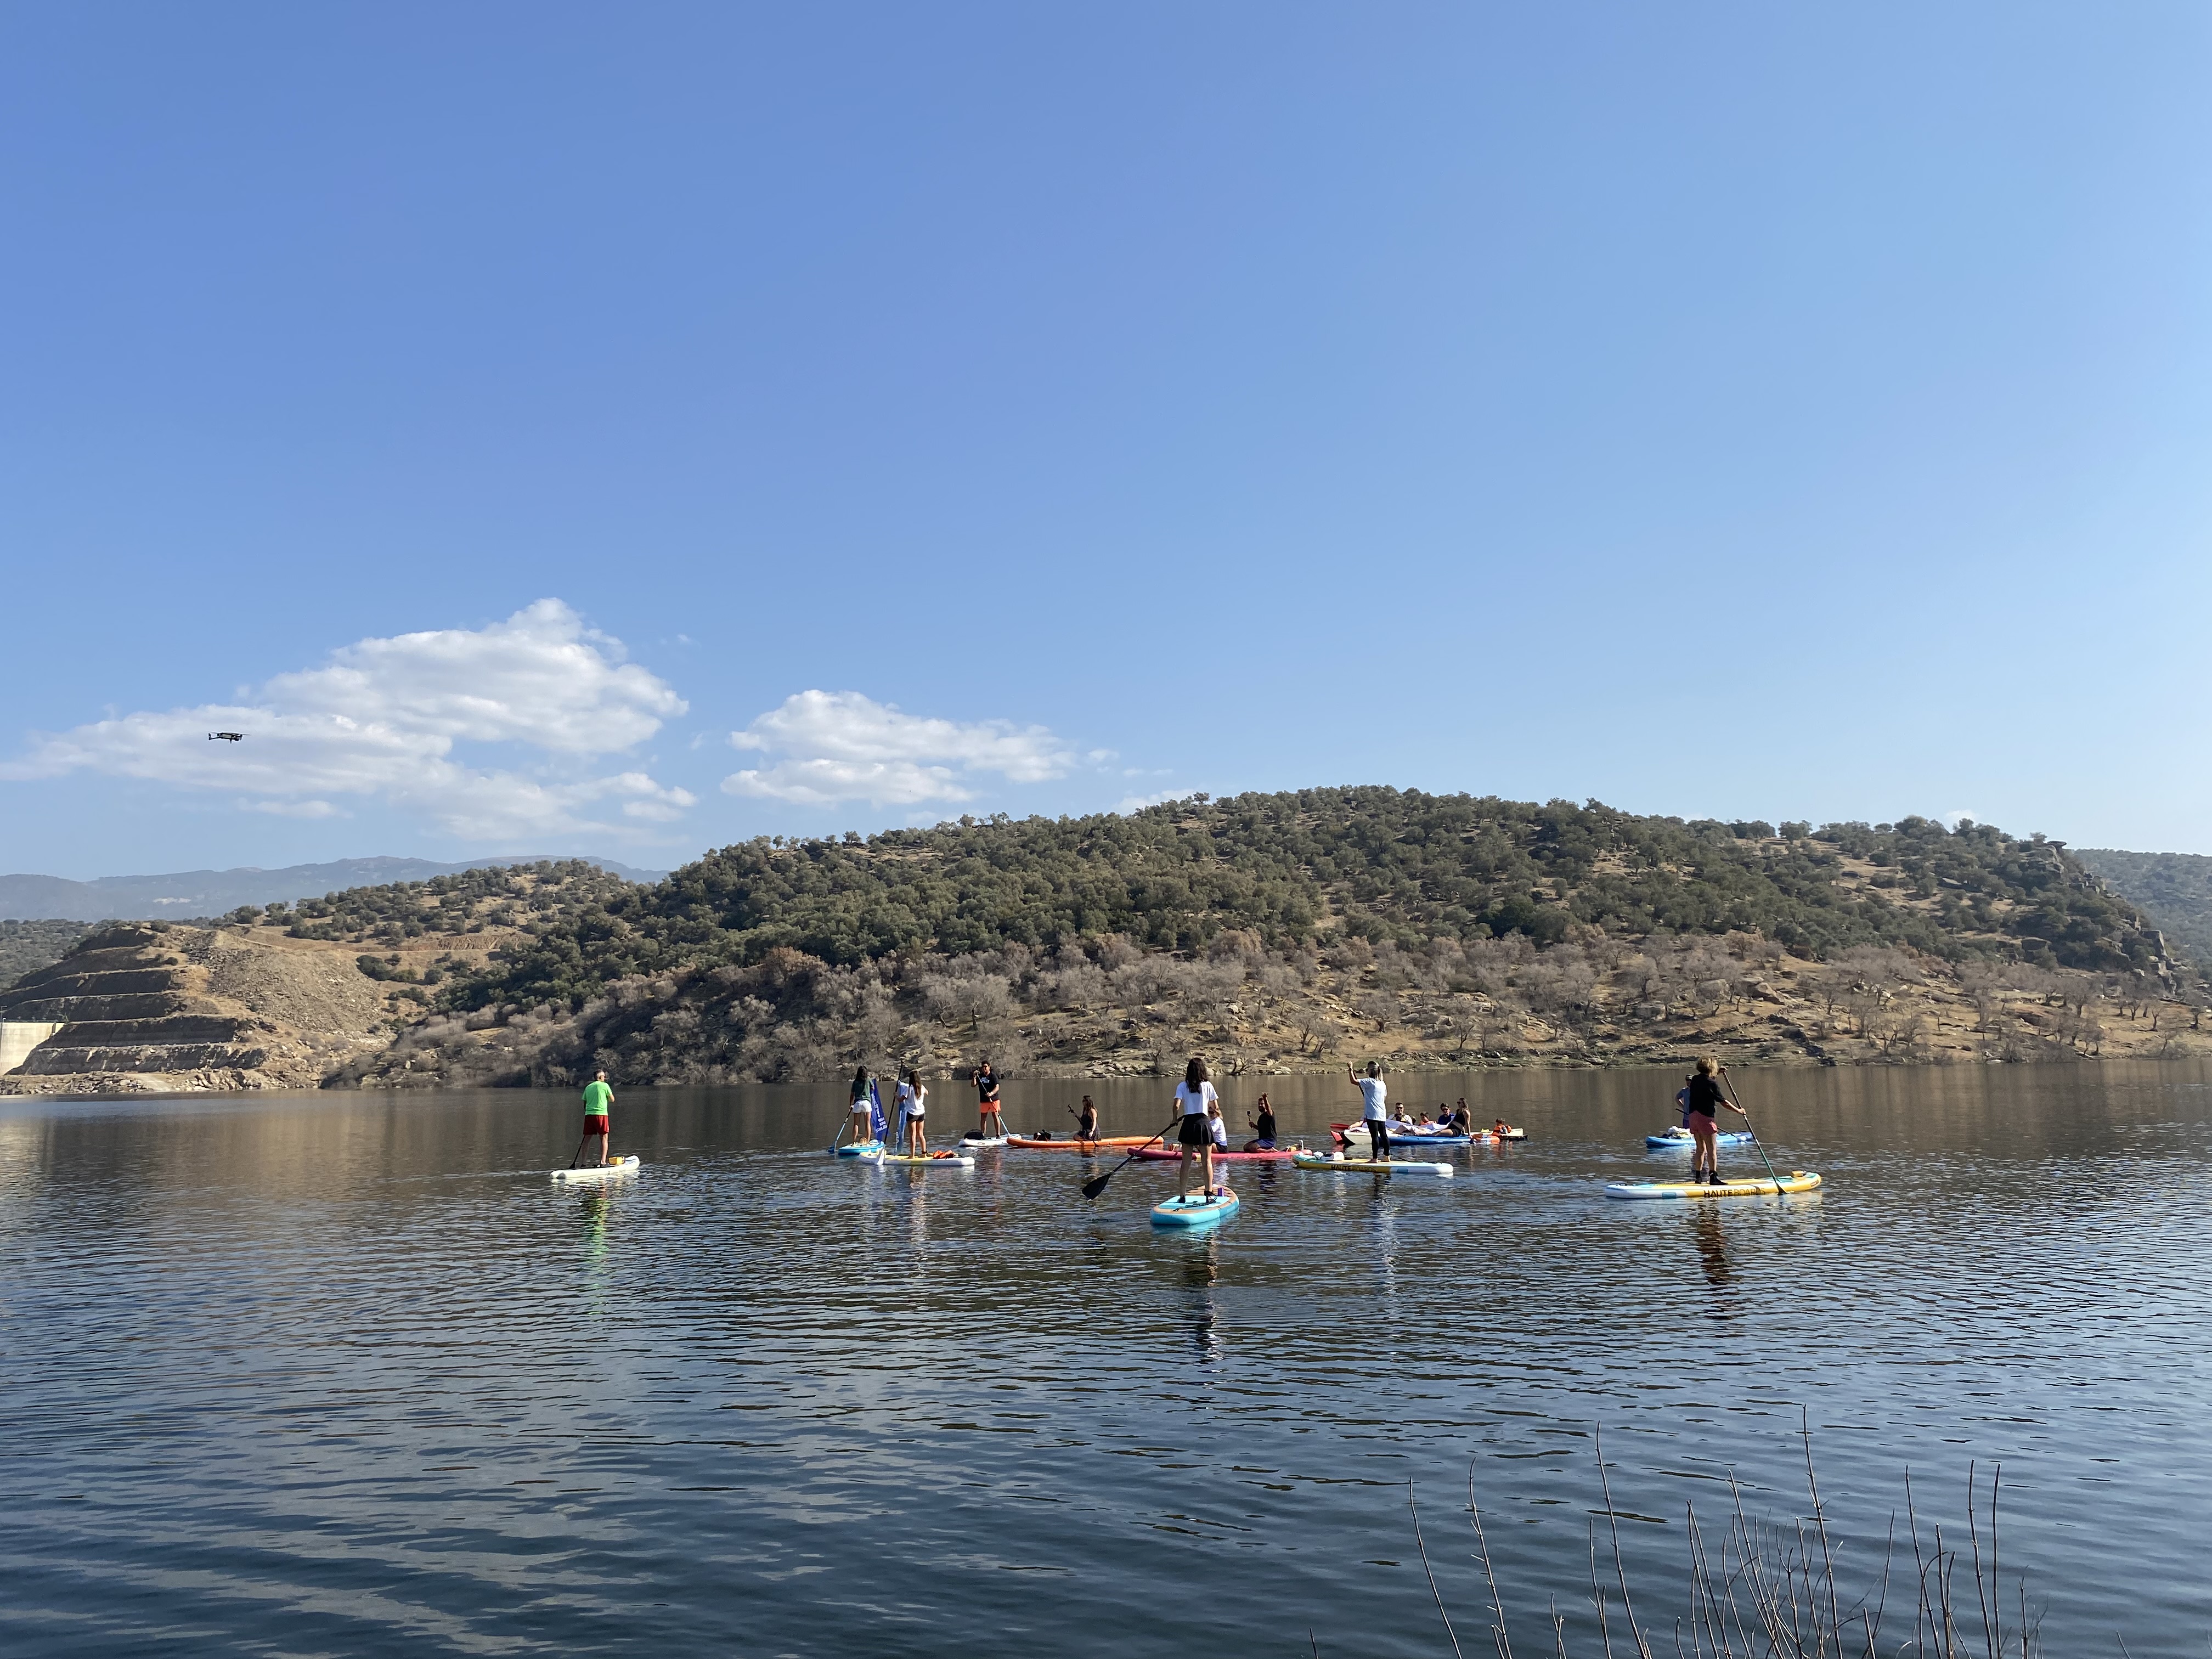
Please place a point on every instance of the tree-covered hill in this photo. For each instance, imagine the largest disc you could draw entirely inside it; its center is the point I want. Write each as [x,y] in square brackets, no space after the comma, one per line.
[2172,890]
[1378,863]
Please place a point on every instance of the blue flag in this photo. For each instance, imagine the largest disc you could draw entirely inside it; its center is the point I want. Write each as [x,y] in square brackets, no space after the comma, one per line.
[875,1106]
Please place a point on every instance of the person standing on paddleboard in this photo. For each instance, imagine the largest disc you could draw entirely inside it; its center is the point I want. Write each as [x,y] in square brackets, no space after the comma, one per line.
[913,1096]
[863,1109]
[597,1099]
[1193,1095]
[1705,1096]
[1375,1113]
[987,1100]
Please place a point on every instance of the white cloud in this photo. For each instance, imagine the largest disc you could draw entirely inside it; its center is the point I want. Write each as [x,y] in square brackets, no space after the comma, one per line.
[383,718]
[831,746]
[1138,803]
[1951,819]
[292,809]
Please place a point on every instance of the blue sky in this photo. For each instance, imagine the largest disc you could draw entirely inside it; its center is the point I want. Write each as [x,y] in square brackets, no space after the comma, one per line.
[632,429]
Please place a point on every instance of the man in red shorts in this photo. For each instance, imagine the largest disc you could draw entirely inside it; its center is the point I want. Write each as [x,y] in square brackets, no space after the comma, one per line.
[598,1098]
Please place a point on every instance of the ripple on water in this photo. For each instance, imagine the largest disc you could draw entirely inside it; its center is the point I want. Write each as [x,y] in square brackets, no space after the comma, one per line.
[347,1374]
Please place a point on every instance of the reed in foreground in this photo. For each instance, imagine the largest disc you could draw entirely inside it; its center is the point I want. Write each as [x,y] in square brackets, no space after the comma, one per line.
[1766,1589]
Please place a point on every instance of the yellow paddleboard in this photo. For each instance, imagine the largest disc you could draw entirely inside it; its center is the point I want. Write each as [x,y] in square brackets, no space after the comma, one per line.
[1797,1180]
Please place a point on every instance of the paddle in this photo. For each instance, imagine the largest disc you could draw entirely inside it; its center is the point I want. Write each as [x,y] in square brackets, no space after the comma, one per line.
[1755,1140]
[1092,1188]
[579,1152]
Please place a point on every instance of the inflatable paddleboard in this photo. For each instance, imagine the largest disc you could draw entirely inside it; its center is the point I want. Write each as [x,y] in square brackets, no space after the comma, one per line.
[1683,1138]
[858,1149]
[1053,1144]
[1797,1180]
[1170,1154]
[1372,1166]
[933,1161]
[974,1139]
[1197,1211]
[1344,1133]
[621,1166]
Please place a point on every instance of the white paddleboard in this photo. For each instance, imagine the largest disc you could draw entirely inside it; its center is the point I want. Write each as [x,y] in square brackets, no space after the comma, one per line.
[621,1166]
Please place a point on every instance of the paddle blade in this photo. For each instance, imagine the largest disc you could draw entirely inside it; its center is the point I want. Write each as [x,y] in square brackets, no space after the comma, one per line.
[1096,1185]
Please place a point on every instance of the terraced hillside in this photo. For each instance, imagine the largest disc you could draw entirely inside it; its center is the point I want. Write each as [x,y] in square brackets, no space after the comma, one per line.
[147,1005]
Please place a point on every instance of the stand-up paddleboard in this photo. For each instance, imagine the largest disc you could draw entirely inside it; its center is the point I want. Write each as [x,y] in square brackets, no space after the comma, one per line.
[1344,1132]
[1170,1154]
[1371,1165]
[1199,1209]
[1053,1144]
[621,1166]
[1797,1180]
[1683,1138]
[858,1149]
[928,1161]
[972,1140]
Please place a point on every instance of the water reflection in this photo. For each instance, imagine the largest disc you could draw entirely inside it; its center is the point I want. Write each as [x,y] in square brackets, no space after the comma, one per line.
[237,1415]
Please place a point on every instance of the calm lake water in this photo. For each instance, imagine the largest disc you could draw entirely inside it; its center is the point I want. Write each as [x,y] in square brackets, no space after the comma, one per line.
[344,1374]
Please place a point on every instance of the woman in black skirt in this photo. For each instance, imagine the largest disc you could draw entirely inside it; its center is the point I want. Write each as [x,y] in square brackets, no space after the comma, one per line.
[1193,1095]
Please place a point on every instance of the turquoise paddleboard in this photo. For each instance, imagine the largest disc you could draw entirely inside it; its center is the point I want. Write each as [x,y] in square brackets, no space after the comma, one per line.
[858,1149]
[1196,1211]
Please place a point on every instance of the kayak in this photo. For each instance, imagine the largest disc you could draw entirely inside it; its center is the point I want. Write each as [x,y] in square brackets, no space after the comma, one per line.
[1683,1138]
[621,1166]
[1050,1144]
[1369,1166]
[929,1161]
[1797,1180]
[974,1139]
[858,1149]
[1170,1154]
[1199,1210]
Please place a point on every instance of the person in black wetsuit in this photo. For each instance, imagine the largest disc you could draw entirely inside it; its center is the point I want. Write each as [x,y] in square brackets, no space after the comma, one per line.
[1086,1122]
[1703,1119]
[1263,1128]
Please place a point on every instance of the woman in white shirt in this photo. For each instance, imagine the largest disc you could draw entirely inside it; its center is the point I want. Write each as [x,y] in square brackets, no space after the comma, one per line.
[913,1096]
[1194,1095]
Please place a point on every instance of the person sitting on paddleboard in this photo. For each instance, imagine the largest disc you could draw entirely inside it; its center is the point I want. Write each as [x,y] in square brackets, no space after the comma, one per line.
[1375,1092]
[1501,1128]
[1262,1127]
[987,1100]
[912,1098]
[863,1110]
[1086,1122]
[597,1099]
[1219,1131]
[1193,1095]
[1704,1120]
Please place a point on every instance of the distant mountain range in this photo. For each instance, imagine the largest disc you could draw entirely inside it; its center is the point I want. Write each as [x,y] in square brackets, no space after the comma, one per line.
[211,892]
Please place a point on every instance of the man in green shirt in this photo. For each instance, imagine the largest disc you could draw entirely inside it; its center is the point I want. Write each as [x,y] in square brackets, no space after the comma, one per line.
[598,1098]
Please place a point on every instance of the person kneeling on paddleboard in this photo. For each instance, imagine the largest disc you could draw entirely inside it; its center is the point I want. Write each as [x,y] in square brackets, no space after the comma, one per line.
[1193,1095]
[1086,1122]
[597,1100]
[1704,1120]
[1262,1127]
[1374,1091]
